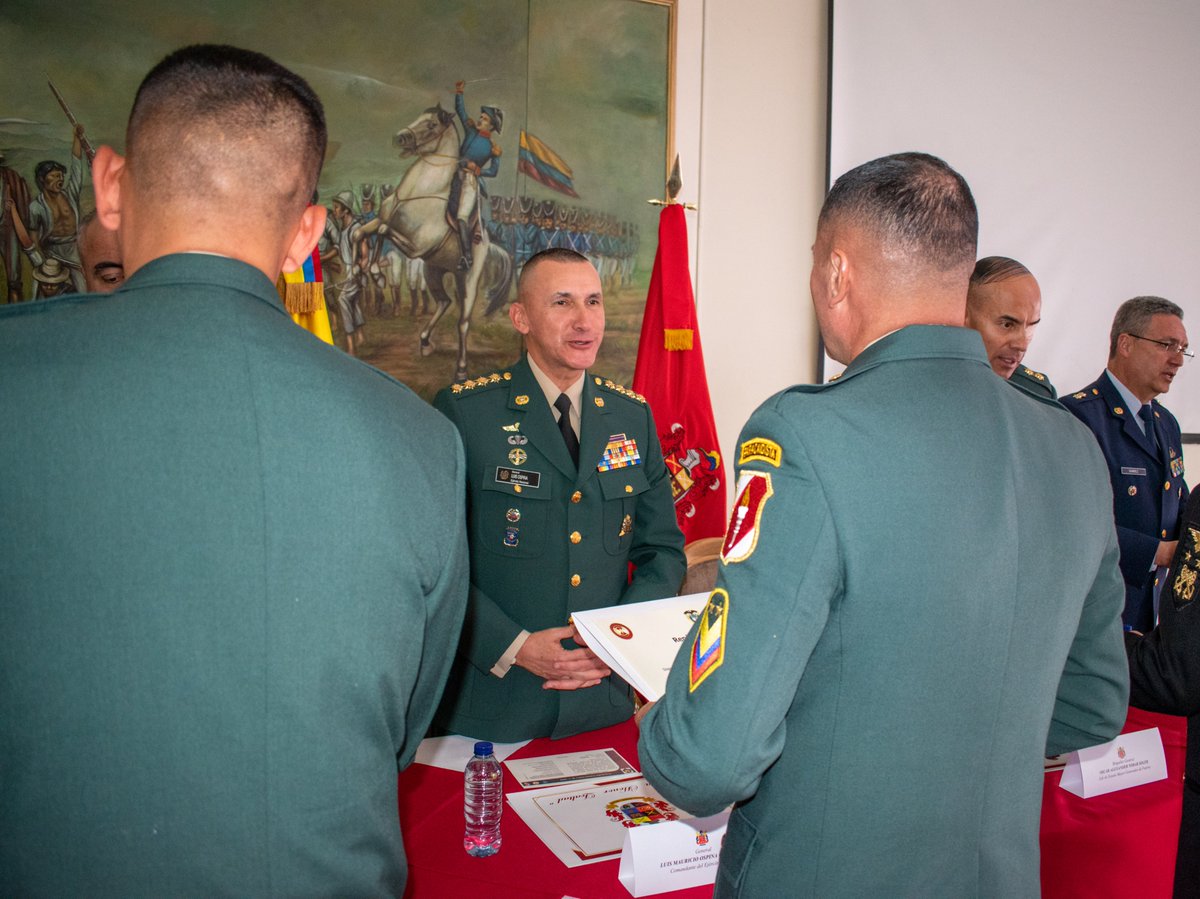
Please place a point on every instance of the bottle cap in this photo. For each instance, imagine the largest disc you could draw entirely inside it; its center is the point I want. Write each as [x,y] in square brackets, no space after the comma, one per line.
[483,747]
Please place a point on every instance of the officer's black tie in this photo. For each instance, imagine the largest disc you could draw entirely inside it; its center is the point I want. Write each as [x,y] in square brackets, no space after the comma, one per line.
[1146,413]
[563,405]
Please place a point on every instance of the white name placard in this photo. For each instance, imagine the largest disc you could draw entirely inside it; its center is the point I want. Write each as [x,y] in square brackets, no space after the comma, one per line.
[672,855]
[1128,761]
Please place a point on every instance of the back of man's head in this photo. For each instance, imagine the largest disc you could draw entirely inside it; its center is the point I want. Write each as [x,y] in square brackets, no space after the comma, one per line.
[918,209]
[224,132]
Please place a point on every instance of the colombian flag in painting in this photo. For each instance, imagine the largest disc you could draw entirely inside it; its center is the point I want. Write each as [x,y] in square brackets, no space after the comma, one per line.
[545,166]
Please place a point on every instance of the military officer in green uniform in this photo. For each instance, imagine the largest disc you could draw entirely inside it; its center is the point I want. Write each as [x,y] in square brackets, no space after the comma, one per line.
[893,644]
[1004,304]
[215,649]
[566,486]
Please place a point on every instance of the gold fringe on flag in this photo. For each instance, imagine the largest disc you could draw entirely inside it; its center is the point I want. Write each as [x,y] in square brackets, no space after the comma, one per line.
[677,338]
[304,297]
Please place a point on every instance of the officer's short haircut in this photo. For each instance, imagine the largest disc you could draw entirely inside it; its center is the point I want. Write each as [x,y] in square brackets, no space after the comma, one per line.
[914,204]
[554,254]
[213,122]
[1133,317]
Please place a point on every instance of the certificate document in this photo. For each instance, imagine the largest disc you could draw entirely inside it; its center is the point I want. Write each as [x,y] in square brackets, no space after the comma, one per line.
[639,640]
[588,824]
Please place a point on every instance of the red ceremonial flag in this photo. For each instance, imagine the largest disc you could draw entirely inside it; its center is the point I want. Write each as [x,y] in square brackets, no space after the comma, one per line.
[670,374]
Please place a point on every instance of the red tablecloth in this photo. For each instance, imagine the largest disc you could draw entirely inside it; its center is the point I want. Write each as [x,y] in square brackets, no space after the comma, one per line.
[1122,844]
[1119,844]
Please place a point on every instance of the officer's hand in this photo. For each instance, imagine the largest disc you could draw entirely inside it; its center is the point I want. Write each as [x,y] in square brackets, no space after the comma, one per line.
[458,86]
[1166,551]
[562,669]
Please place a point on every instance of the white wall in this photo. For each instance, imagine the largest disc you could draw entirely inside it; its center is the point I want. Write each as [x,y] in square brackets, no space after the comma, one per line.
[760,90]
[751,132]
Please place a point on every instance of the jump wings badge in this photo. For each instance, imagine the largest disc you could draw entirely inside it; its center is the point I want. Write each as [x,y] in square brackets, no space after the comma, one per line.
[753,491]
[708,649]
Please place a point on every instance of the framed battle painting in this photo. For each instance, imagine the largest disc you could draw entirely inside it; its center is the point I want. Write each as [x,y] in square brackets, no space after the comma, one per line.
[558,111]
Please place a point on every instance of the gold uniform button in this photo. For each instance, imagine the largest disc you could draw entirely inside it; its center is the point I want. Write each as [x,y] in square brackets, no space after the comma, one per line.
[629,488]
[576,496]
[1164,535]
[1166,485]
[575,580]
[1132,490]
[517,488]
[576,536]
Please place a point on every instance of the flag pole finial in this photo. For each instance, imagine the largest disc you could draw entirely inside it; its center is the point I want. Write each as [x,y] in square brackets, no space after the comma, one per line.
[674,184]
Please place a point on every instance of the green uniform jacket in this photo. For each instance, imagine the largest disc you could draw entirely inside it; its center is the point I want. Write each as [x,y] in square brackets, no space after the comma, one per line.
[547,541]
[232,579]
[1033,382]
[920,600]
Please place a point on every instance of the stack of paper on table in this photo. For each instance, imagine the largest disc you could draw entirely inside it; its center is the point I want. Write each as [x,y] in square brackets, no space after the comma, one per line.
[639,641]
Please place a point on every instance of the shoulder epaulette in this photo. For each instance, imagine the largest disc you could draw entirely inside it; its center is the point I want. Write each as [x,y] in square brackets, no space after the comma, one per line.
[495,377]
[1036,375]
[618,388]
[1085,394]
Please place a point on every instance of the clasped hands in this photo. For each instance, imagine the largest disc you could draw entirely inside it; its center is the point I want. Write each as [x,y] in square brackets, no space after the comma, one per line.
[562,669]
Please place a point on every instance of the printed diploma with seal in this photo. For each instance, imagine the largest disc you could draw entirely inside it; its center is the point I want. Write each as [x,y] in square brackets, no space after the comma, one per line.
[639,641]
[588,824]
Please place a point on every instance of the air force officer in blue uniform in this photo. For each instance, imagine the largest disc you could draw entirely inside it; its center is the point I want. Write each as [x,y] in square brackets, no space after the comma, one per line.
[1141,442]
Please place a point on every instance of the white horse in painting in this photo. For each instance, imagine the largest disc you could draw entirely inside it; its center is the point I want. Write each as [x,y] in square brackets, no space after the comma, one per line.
[415,216]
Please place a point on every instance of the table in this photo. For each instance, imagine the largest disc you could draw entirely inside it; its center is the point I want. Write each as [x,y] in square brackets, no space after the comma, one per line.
[1121,844]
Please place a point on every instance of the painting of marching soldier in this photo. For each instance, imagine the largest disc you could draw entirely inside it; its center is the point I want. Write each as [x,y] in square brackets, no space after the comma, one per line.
[464,137]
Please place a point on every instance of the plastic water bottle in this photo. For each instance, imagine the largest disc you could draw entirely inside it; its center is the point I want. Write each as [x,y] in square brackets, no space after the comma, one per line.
[483,802]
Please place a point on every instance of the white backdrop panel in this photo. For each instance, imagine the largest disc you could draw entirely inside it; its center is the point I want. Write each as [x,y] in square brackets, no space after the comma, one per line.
[1075,124]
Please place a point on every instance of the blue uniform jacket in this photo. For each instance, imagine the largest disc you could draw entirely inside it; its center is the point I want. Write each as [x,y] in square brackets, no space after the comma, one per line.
[1148,488]
[476,147]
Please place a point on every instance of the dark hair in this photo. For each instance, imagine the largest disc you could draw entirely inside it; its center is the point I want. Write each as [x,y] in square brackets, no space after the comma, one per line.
[991,269]
[1133,317]
[554,254]
[238,93]
[43,169]
[913,203]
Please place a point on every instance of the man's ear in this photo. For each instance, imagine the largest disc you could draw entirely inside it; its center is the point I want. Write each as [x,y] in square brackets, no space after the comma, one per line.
[516,314]
[835,277]
[308,232]
[107,168]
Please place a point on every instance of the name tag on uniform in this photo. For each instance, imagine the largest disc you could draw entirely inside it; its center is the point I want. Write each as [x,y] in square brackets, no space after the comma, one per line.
[518,476]
[1138,471]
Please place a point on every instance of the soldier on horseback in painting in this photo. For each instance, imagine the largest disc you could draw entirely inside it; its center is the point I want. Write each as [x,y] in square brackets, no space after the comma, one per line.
[479,157]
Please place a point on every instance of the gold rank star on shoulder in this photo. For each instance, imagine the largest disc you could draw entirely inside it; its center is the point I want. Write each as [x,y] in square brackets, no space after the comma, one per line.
[482,381]
[624,391]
